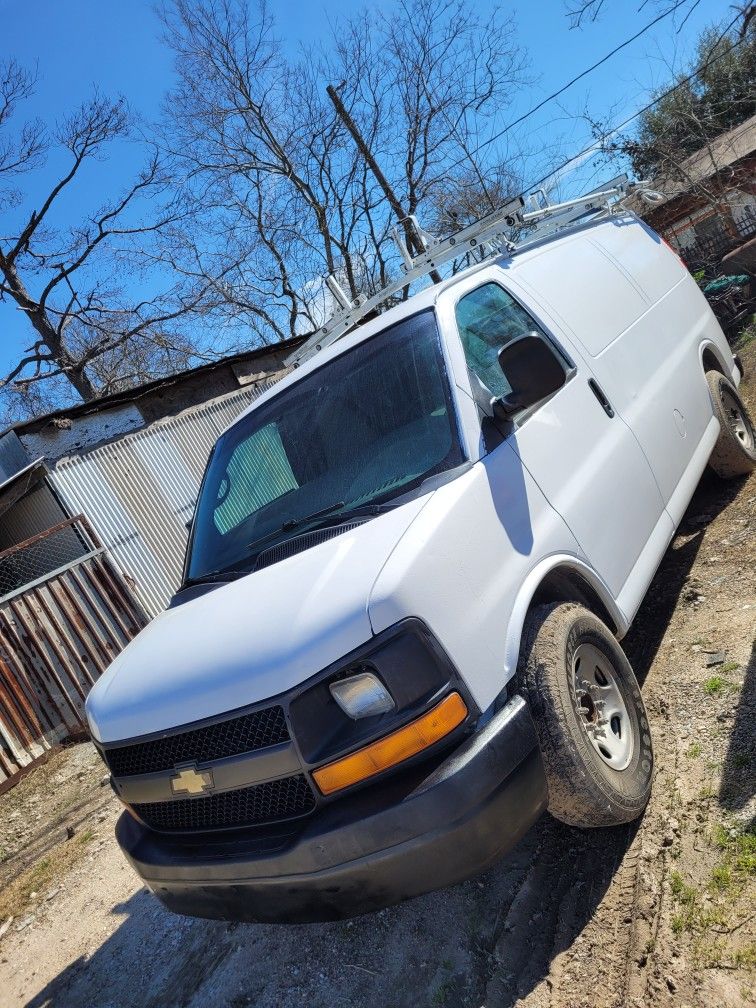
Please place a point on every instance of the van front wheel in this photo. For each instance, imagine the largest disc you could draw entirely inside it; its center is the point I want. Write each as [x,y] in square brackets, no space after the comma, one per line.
[734,453]
[589,716]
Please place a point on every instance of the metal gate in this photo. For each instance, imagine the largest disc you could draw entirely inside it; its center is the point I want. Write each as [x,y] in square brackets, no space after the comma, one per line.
[58,633]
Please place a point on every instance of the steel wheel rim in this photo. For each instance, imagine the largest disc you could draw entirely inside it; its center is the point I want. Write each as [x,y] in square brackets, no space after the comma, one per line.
[737,419]
[601,708]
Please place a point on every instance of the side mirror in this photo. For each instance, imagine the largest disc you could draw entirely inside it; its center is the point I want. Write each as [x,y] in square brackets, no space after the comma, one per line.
[533,372]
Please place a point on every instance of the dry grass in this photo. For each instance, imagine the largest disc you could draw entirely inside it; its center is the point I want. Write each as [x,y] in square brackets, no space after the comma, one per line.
[15,898]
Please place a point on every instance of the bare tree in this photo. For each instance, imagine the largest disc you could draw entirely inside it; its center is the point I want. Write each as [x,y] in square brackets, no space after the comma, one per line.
[75,286]
[23,151]
[283,193]
[583,12]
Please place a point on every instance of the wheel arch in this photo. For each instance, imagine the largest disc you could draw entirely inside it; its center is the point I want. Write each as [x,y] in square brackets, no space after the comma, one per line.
[561,578]
[711,360]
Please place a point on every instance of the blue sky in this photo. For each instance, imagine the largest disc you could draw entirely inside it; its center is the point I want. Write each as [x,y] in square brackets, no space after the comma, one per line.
[115,46]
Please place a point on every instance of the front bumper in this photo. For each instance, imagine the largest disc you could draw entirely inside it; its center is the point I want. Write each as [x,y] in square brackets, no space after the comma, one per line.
[394,841]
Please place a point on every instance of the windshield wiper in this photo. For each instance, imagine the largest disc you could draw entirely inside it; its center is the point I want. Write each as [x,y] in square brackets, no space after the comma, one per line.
[293,523]
[312,519]
[369,509]
[215,577]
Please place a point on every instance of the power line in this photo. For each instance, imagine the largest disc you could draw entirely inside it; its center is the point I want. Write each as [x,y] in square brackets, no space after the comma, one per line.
[568,85]
[615,129]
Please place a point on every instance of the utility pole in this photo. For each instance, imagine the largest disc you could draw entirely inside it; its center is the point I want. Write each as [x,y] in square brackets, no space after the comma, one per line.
[413,243]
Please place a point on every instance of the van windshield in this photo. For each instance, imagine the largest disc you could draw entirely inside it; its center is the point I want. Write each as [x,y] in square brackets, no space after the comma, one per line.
[370,425]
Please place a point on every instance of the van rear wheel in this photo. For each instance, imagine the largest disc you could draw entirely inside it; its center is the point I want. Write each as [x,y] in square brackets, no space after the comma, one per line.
[589,715]
[734,453]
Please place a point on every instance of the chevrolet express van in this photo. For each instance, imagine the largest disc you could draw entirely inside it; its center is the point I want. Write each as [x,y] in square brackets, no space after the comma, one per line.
[412,561]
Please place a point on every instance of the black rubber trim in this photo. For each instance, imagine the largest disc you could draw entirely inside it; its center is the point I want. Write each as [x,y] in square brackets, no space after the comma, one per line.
[399,839]
[739,365]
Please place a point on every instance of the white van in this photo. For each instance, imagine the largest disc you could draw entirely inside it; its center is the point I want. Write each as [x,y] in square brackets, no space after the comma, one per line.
[411,562]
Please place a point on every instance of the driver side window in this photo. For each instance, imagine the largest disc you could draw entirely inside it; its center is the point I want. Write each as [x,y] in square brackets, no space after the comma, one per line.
[488,318]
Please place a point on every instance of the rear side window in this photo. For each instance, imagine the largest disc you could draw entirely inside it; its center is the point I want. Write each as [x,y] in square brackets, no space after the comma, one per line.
[488,318]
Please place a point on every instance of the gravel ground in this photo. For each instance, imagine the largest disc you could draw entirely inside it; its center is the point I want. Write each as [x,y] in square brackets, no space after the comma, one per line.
[660,913]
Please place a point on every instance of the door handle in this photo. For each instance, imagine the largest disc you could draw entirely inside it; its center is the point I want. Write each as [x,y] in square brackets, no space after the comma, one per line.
[598,392]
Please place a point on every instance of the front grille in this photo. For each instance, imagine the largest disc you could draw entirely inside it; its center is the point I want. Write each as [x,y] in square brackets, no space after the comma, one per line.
[273,801]
[247,733]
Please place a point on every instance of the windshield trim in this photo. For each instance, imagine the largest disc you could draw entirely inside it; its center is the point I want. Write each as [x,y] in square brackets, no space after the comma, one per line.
[409,491]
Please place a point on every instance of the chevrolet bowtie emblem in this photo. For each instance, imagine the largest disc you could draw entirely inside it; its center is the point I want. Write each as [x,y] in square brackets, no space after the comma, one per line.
[191,781]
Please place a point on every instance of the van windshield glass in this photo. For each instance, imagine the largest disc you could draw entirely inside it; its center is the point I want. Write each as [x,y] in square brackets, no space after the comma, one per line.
[370,425]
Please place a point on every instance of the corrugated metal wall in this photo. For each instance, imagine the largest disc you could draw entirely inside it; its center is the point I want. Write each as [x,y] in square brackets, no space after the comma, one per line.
[139,492]
[57,636]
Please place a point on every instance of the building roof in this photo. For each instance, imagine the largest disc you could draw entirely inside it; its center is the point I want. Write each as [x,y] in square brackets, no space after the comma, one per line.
[132,394]
[723,152]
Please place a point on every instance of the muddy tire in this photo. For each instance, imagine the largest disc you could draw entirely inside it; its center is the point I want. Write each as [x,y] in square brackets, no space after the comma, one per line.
[589,715]
[734,453]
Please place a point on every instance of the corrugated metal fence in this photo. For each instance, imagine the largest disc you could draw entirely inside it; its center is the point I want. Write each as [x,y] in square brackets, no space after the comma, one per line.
[57,635]
[139,492]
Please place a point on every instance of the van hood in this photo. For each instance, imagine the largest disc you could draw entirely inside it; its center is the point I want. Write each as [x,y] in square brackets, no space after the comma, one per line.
[250,639]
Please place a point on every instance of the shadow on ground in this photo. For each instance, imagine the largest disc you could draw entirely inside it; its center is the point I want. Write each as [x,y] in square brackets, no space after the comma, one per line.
[435,950]
[739,772]
[670,581]
[492,938]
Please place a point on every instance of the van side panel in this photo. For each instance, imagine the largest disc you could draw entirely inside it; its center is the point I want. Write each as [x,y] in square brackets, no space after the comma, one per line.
[589,467]
[462,562]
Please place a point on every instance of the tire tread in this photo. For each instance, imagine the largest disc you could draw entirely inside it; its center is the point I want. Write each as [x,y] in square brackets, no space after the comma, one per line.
[729,458]
[580,793]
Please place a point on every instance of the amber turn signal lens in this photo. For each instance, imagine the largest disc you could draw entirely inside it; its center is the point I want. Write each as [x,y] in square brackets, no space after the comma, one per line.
[388,751]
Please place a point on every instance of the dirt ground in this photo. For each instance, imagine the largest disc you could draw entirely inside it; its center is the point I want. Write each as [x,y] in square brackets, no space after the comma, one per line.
[660,913]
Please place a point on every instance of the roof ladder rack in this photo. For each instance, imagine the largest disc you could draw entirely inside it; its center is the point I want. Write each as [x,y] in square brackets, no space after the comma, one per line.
[488,236]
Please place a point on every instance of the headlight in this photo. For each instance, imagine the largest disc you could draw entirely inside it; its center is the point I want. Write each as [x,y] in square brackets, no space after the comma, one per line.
[362,695]
[389,682]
